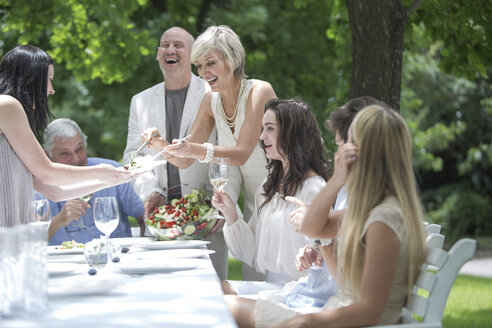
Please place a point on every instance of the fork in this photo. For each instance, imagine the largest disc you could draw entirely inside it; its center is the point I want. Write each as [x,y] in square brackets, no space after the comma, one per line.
[140,148]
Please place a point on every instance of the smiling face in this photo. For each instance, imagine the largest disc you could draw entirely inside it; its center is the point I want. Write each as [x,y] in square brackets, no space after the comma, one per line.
[69,151]
[174,55]
[269,137]
[213,68]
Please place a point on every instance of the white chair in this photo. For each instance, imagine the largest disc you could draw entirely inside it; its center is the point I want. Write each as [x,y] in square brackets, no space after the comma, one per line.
[436,278]
[432,228]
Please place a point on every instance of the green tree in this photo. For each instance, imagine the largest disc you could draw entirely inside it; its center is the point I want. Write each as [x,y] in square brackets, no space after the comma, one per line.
[378,29]
[450,119]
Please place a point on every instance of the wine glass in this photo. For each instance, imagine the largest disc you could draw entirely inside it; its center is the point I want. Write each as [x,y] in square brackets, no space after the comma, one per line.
[85,198]
[106,218]
[312,243]
[40,212]
[218,174]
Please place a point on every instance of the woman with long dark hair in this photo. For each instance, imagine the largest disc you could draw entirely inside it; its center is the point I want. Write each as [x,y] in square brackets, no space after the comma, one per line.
[297,167]
[26,74]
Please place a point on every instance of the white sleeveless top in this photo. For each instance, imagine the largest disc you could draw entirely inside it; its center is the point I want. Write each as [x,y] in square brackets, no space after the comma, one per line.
[248,177]
[16,187]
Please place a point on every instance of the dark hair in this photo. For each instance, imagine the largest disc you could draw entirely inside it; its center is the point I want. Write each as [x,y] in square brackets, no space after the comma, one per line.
[299,140]
[24,76]
[341,117]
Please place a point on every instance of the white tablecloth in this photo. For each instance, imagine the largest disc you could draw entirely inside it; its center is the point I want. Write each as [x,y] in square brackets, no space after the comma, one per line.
[188,298]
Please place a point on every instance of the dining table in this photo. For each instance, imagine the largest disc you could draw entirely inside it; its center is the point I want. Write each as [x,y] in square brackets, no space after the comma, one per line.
[154,284]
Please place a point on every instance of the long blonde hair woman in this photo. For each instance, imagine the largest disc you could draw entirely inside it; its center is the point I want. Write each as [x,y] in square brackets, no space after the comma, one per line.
[381,236]
[384,168]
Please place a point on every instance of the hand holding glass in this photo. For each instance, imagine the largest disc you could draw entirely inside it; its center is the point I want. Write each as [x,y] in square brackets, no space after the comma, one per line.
[218,174]
[312,254]
[106,217]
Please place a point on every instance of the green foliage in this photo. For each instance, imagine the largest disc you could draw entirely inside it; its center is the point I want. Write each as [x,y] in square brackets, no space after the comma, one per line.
[461,211]
[478,165]
[466,30]
[93,38]
[435,139]
[449,118]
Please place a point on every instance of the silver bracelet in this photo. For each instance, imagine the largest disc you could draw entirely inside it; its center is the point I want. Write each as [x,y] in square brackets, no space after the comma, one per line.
[209,154]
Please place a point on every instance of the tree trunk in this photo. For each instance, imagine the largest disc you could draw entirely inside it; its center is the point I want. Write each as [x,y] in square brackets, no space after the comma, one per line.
[377,28]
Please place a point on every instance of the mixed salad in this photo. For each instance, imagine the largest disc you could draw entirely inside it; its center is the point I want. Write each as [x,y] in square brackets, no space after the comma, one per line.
[135,163]
[185,218]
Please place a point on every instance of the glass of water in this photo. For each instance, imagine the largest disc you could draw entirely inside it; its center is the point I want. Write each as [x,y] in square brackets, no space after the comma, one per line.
[106,218]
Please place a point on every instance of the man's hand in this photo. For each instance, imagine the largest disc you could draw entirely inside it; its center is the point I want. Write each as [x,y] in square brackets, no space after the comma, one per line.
[151,202]
[72,211]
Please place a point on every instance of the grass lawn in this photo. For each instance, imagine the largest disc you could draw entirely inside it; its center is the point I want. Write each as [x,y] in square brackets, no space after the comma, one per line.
[234,272]
[469,303]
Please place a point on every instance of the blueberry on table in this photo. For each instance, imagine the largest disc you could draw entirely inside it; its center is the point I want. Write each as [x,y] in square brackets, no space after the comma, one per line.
[115,259]
[92,271]
[125,249]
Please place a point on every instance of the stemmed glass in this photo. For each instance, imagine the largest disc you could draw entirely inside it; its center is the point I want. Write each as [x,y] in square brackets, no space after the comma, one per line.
[218,174]
[85,198]
[40,212]
[312,242]
[106,218]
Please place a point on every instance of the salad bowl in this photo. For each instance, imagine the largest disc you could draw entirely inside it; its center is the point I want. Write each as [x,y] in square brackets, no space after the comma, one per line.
[187,218]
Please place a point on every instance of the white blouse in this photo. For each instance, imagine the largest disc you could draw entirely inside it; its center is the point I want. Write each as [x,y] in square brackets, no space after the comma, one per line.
[267,242]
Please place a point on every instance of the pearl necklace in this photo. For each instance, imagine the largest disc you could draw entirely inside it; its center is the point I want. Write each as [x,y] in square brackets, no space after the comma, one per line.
[231,121]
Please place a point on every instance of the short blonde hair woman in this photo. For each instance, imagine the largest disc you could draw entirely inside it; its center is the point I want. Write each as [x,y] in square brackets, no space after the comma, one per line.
[234,107]
[382,239]
[223,40]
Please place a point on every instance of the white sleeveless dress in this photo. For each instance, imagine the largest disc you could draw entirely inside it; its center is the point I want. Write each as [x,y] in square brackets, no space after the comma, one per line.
[16,187]
[248,177]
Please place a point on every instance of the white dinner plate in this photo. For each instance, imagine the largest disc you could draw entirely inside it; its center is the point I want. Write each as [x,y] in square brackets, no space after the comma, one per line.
[58,269]
[171,253]
[129,241]
[80,286]
[155,266]
[68,258]
[59,250]
[172,244]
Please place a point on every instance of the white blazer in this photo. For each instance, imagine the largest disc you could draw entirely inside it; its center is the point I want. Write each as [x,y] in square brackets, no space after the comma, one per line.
[147,109]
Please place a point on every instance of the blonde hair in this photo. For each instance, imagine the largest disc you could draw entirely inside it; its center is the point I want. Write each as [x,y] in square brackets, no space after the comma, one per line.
[383,167]
[222,39]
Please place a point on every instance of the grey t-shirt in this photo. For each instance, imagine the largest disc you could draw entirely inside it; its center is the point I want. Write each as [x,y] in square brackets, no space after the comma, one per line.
[175,100]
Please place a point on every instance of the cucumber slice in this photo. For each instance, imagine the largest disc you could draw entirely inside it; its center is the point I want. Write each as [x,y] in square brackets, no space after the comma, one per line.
[189,229]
